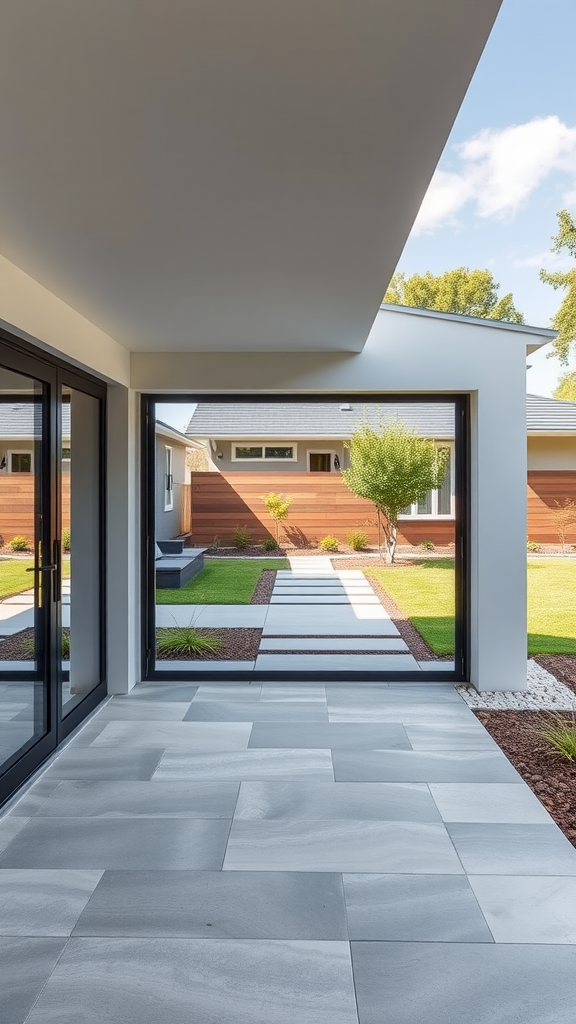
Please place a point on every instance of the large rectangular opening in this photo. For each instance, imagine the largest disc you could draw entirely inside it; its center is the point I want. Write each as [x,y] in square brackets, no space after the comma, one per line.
[274,545]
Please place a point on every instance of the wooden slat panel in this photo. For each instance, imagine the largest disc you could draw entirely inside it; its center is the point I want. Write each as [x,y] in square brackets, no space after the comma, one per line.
[17,505]
[322,504]
[544,488]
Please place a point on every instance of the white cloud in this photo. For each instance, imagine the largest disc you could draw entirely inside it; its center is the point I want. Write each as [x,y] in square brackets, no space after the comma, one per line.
[499,170]
[548,260]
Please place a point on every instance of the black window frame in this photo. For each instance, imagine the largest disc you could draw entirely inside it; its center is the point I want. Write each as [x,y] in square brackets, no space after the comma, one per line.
[461,402]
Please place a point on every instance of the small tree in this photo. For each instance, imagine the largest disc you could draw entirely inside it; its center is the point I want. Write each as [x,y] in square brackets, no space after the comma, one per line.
[564,517]
[278,506]
[393,467]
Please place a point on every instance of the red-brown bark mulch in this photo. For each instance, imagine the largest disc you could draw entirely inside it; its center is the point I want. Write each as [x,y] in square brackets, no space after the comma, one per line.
[238,644]
[551,777]
[563,666]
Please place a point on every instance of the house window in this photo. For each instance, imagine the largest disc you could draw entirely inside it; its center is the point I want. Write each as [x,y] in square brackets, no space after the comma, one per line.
[439,502]
[66,455]
[20,462]
[263,452]
[168,480]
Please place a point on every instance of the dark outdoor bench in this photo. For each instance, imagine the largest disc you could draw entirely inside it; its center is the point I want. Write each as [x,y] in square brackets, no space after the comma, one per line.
[177,564]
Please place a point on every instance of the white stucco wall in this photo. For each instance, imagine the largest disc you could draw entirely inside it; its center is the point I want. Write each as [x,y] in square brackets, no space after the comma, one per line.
[551,452]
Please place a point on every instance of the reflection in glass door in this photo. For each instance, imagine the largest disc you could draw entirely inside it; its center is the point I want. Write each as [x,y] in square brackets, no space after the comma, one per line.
[51,556]
[81,511]
[27,572]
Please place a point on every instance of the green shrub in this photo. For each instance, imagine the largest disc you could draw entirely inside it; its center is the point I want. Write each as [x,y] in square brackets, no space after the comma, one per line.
[215,543]
[329,544]
[270,544]
[427,545]
[533,545]
[560,734]
[175,641]
[357,540]
[19,544]
[29,646]
[66,539]
[278,506]
[241,538]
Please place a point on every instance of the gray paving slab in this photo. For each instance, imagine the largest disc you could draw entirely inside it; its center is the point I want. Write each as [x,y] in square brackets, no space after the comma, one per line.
[179,692]
[324,599]
[318,734]
[422,766]
[228,691]
[489,802]
[217,905]
[256,711]
[10,826]
[449,735]
[413,908]
[31,800]
[203,669]
[37,902]
[464,983]
[27,963]
[225,982]
[296,623]
[141,799]
[247,615]
[113,843]
[528,909]
[293,694]
[106,763]
[409,714]
[141,711]
[296,845]
[186,735]
[361,644]
[501,849]
[336,663]
[258,765]
[327,801]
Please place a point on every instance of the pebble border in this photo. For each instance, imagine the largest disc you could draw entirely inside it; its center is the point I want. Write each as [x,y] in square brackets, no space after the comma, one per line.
[544,693]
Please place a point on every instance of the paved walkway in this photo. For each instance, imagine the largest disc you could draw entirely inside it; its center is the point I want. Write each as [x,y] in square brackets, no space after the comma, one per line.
[285,854]
[330,618]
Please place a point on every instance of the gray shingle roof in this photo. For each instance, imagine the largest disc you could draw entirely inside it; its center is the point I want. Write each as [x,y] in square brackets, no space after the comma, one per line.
[21,418]
[313,419]
[327,419]
[549,415]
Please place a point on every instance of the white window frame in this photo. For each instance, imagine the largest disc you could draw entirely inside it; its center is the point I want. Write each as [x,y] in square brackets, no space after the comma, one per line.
[263,445]
[168,478]
[434,514]
[321,451]
[19,451]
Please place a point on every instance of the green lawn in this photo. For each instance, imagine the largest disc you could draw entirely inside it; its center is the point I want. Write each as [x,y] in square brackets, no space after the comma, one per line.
[222,581]
[14,578]
[425,591]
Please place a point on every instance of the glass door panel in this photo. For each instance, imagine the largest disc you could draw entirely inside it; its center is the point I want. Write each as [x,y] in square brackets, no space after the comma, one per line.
[81,514]
[26,567]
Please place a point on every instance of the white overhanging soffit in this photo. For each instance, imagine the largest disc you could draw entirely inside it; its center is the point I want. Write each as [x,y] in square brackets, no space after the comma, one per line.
[231,175]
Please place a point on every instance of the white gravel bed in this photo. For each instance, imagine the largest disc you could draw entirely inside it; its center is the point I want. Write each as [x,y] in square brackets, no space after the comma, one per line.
[544,693]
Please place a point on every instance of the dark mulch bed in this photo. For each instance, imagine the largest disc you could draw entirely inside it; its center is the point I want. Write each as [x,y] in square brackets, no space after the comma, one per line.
[237,645]
[563,666]
[252,551]
[551,777]
[264,587]
[16,647]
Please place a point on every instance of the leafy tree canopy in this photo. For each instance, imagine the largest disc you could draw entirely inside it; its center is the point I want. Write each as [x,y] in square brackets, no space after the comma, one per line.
[393,467]
[566,387]
[564,321]
[470,292]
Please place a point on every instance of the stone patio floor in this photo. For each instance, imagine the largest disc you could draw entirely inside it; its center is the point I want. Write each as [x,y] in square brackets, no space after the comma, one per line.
[355,853]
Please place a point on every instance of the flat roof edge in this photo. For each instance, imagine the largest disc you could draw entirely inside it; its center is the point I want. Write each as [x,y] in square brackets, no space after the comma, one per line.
[543,332]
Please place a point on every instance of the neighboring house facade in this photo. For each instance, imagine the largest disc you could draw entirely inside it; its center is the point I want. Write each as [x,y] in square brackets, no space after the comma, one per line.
[172,482]
[244,442]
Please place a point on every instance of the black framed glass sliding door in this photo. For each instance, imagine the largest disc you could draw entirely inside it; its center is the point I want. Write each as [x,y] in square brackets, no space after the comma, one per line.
[48,679]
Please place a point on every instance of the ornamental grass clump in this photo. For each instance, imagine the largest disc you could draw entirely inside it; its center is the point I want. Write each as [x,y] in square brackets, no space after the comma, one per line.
[560,735]
[393,467]
[357,540]
[182,641]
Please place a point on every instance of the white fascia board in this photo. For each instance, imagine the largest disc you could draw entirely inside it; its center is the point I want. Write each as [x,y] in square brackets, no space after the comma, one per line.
[544,333]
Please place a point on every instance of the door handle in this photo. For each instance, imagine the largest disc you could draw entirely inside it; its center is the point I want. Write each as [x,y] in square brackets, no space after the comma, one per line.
[42,568]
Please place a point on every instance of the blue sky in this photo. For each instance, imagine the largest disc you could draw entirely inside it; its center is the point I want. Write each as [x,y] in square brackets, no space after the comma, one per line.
[509,166]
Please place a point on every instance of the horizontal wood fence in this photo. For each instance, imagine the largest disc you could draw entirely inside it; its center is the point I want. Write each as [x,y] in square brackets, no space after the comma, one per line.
[17,505]
[321,505]
[545,487]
